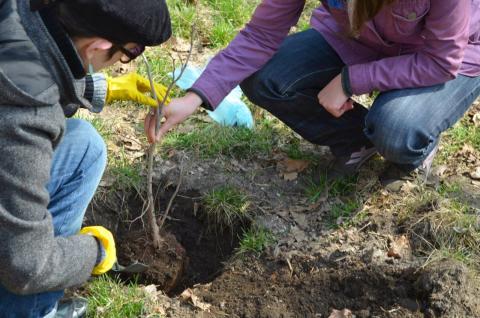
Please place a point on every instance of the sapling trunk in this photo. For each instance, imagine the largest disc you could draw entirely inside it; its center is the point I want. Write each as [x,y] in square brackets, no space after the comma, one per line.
[157,112]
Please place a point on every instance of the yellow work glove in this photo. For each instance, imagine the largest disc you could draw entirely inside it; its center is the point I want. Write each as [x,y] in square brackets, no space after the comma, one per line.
[106,240]
[133,87]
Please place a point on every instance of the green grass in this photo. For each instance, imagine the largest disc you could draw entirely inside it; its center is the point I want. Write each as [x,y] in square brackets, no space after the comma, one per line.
[255,240]
[341,214]
[452,229]
[225,208]
[344,186]
[211,140]
[126,173]
[294,151]
[447,189]
[461,134]
[109,298]
[228,17]
[104,128]
[217,21]
[416,204]
[182,17]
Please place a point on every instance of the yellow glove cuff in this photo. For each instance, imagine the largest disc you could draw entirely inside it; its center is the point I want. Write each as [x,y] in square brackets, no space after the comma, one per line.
[106,239]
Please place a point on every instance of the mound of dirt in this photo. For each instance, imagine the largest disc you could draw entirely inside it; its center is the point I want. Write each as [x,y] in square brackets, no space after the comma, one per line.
[270,289]
[450,290]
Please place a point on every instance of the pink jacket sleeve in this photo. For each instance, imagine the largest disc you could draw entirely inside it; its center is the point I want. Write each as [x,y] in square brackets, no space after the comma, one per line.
[250,49]
[446,35]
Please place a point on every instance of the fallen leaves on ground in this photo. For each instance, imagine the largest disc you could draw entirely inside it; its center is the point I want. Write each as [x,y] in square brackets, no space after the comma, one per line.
[400,248]
[290,168]
[188,295]
[475,174]
[476,120]
[345,313]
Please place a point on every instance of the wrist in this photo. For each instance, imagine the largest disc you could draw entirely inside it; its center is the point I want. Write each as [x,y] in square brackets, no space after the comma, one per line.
[204,100]
[193,99]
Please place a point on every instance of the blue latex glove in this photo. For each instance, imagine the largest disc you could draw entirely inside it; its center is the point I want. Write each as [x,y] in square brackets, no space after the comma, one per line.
[232,111]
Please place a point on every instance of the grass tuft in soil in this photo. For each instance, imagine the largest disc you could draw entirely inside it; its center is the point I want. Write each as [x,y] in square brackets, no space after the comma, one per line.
[109,297]
[255,240]
[452,230]
[225,208]
[342,213]
[341,187]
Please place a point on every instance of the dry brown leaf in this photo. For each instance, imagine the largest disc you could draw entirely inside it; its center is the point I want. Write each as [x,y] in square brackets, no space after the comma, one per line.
[475,175]
[400,248]
[288,165]
[290,176]
[300,219]
[107,181]
[409,186]
[131,143]
[188,295]
[476,120]
[150,291]
[345,313]
[441,170]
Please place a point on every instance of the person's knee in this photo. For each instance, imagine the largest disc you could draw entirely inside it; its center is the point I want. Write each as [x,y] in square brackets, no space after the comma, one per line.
[398,139]
[262,87]
[86,137]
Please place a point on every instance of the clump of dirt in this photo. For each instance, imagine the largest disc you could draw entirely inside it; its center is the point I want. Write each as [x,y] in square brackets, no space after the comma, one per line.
[450,290]
[166,265]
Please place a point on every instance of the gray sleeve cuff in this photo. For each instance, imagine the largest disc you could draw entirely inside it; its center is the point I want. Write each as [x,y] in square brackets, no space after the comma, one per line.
[96,91]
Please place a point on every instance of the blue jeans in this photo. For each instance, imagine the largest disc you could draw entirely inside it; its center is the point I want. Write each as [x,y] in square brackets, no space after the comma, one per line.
[77,166]
[404,125]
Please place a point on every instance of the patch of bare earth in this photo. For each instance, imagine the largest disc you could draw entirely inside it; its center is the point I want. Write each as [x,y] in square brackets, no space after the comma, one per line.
[369,268]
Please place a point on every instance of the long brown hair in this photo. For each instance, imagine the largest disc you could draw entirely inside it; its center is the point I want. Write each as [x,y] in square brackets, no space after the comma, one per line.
[363,11]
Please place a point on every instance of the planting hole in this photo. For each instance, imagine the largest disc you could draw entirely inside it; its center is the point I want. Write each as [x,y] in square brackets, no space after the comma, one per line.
[192,252]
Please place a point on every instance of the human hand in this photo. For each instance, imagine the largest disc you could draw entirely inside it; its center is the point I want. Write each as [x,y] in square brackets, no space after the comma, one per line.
[105,238]
[132,87]
[333,98]
[175,112]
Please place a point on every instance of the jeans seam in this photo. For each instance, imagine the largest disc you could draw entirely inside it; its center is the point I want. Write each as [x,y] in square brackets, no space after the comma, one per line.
[284,90]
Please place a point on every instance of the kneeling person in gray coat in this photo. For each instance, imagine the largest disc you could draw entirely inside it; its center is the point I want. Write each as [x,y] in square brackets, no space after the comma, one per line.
[50,165]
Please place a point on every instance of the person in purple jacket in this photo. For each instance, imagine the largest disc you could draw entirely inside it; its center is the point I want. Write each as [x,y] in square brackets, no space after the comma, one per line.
[422,56]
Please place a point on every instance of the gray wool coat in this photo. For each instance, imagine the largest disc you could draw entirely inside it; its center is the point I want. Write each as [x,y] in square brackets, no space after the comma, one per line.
[37,89]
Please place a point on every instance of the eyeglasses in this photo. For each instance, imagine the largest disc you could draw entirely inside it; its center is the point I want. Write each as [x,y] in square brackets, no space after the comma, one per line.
[130,54]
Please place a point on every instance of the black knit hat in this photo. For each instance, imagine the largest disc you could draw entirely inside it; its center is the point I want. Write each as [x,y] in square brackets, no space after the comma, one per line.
[145,22]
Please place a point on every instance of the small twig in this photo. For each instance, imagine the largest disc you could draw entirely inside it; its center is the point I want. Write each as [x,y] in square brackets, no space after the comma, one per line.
[365,226]
[165,215]
[289,263]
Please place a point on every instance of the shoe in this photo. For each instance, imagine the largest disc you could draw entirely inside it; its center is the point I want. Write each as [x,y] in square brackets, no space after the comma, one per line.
[72,308]
[348,165]
[395,176]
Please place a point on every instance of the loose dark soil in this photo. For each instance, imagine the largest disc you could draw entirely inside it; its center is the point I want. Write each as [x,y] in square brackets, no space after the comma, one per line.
[298,286]
[313,268]
[190,254]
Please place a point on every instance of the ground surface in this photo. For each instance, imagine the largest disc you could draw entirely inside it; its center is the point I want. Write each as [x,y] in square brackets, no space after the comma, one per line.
[328,254]
[350,249]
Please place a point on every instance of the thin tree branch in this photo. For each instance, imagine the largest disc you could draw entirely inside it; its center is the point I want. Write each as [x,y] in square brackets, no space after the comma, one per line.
[154,228]
[165,215]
